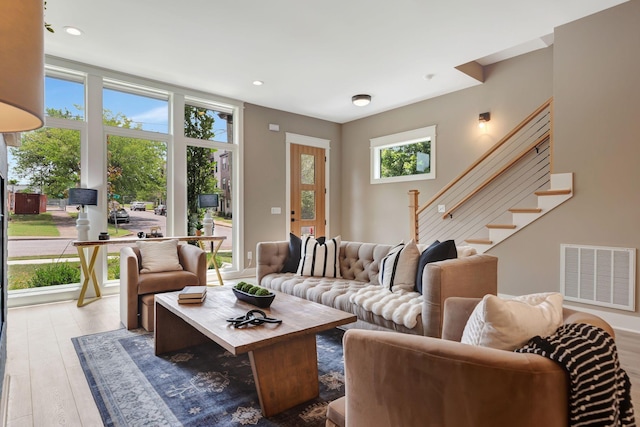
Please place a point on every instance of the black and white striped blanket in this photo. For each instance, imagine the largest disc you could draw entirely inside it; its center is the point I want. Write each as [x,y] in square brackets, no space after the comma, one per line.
[599,387]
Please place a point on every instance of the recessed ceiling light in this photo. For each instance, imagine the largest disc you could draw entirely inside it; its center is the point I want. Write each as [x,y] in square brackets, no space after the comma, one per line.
[73,31]
[258,82]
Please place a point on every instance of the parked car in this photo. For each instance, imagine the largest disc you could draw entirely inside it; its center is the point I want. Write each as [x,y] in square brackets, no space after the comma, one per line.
[160,210]
[120,215]
[138,206]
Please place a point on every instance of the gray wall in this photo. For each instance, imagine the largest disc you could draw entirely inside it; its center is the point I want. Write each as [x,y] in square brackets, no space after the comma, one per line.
[379,212]
[597,130]
[591,72]
[265,171]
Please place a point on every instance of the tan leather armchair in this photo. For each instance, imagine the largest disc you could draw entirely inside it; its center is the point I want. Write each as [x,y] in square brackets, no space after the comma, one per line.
[394,379]
[137,290]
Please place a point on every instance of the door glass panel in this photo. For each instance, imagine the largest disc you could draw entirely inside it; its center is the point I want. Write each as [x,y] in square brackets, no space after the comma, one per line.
[308,210]
[307,168]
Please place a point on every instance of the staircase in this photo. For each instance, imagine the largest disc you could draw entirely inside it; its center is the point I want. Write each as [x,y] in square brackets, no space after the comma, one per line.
[506,189]
[560,191]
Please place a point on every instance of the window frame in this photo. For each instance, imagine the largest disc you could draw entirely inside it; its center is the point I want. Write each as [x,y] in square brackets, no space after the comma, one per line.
[398,139]
[93,145]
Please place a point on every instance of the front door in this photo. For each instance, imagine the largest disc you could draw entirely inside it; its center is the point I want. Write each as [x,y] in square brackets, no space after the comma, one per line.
[307,190]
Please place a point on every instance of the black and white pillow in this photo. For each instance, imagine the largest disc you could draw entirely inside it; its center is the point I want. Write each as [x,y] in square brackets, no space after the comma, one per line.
[398,268]
[318,258]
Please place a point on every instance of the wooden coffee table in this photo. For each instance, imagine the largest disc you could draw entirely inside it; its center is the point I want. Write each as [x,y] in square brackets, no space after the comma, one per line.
[283,356]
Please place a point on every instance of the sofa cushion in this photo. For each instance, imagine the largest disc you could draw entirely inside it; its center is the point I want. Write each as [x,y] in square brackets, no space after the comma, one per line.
[159,256]
[152,283]
[401,307]
[509,324]
[437,251]
[398,268]
[320,259]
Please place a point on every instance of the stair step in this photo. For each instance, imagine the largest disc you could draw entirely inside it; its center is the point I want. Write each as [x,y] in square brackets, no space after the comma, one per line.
[559,192]
[525,210]
[479,241]
[502,226]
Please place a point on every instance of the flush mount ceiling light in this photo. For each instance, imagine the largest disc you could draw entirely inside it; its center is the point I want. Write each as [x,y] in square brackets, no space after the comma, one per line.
[361,100]
[73,31]
[258,82]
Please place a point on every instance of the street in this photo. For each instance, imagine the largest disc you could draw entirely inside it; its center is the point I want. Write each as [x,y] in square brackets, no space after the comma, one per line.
[138,221]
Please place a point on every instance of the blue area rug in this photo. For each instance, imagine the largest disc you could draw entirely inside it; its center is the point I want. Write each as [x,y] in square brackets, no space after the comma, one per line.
[199,386]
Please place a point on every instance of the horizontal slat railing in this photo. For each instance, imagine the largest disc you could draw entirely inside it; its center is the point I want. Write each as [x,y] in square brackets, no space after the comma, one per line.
[509,173]
[533,146]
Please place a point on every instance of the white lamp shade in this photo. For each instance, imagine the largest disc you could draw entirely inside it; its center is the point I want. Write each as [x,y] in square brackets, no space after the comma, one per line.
[22,64]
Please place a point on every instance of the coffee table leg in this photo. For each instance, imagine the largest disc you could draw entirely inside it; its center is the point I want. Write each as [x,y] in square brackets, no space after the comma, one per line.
[172,333]
[286,373]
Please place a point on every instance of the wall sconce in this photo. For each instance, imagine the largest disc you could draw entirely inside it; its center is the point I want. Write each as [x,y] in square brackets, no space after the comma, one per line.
[22,59]
[83,197]
[207,201]
[361,100]
[483,118]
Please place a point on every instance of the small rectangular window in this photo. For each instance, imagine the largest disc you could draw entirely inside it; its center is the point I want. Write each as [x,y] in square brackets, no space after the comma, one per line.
[405,156]
[208,124]
[133,107]
[64,97]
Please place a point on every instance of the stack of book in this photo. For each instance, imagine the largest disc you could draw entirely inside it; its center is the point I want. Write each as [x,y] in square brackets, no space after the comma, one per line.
[192,295]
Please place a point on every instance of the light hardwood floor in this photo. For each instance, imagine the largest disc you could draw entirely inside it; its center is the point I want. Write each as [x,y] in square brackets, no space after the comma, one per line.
[47,386]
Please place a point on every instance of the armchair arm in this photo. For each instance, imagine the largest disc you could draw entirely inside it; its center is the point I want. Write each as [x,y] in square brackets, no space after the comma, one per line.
[473,276]
[457,311]
[194,259]
[406,380]
[129,275]
[270,258]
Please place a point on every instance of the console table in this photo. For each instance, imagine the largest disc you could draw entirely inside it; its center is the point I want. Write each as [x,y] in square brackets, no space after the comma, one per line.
[93,248]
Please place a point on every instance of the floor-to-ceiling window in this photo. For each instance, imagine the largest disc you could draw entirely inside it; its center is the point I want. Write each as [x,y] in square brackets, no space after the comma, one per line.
[208,129]
[119,135]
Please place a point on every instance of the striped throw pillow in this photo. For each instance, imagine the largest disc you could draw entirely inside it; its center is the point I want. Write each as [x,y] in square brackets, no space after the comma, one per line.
[398,268]
[319,259]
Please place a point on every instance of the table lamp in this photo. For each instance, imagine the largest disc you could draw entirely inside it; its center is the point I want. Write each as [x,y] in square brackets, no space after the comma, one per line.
[206,201]
[83,197]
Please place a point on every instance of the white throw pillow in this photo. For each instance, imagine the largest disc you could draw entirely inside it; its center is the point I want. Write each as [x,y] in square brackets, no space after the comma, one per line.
[319,259]
[398,268]
[510,324]
[159,256]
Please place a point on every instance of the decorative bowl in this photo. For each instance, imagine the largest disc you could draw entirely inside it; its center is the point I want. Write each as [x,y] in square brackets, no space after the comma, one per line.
[259,301]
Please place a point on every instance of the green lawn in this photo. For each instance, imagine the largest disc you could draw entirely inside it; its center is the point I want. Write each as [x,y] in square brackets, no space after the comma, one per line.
[23,276]
[32,225]
[20,276]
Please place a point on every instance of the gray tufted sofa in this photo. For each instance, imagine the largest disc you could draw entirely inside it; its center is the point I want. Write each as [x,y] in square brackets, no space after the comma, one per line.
[472,276]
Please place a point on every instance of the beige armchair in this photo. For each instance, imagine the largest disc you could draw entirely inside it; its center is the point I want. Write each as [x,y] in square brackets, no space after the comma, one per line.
[394,379]
[137,290]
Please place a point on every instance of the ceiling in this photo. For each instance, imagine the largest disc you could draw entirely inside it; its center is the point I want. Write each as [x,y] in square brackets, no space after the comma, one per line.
[312,56]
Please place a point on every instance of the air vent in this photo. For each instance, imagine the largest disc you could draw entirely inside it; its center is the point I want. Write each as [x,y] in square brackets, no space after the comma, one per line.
[599,275]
